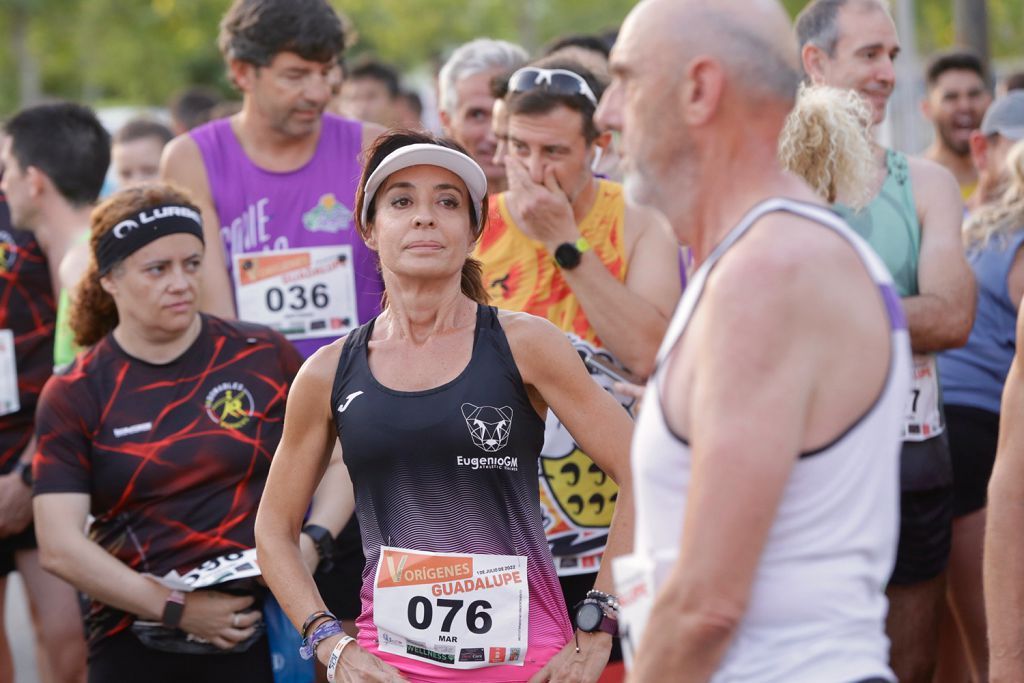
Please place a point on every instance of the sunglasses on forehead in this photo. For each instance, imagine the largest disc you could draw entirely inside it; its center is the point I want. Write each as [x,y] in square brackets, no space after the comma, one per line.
[557,81]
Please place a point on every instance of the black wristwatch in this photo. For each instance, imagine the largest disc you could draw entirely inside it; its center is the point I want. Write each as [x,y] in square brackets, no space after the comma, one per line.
[324,542]
[569,254]
[174,609]
[24,470]
[597,613]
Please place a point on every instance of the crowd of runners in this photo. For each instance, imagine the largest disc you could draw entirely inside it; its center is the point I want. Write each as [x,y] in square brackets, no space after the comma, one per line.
[650,364]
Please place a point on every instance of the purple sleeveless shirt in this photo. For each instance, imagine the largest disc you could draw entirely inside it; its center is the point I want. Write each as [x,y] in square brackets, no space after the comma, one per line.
[312,206]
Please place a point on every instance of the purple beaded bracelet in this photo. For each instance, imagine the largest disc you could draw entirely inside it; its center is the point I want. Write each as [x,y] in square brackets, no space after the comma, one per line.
[320,634]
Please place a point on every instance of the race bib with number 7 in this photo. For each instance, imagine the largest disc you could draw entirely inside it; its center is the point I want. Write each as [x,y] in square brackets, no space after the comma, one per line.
[924,419]
[460,611]
[302,293]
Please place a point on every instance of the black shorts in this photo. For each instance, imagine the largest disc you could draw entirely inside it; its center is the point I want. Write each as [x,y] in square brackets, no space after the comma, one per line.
[574,590]
[926,465]
[340,587]
[26,540]
[926,529]
[973,438]
[121,658]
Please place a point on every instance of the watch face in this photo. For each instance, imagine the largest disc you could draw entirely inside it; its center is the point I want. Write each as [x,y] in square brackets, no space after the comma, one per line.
[588,617]
[567,255]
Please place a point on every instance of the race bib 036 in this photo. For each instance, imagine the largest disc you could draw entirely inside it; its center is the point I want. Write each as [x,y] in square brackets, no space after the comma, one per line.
[302,293]
[460,611]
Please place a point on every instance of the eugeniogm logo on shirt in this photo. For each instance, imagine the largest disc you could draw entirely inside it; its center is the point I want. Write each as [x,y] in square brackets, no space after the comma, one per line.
[230,405]
[489,427]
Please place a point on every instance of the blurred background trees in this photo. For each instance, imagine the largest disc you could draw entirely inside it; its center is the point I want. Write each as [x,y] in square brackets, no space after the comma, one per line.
[139,52]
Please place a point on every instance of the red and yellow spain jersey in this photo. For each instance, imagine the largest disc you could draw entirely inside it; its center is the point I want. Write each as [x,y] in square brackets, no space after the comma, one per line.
[520,274]
[577,499]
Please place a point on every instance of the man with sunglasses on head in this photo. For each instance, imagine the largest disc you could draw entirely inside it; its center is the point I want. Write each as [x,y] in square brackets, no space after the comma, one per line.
[563,245]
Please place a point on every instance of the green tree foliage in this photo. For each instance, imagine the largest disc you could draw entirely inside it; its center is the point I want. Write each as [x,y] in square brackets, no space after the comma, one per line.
[142,51]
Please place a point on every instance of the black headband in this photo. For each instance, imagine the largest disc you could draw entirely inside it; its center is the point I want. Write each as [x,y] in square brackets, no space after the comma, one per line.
[137,230]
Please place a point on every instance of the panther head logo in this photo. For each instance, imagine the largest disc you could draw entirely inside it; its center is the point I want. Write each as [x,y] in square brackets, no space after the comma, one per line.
[488,426]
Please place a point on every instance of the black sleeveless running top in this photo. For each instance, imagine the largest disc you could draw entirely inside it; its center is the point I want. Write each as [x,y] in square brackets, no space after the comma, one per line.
[449,469]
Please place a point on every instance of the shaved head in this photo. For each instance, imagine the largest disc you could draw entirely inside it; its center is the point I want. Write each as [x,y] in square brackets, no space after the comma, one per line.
[752,39]
[696,84]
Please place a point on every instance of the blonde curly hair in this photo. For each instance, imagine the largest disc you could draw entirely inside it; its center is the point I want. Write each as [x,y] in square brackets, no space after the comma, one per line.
[827,142]
[1005,216]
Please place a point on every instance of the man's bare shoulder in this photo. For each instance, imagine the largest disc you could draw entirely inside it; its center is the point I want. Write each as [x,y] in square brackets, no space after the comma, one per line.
[936,194]
[641,219]
[182,164]
[927,176]
[785,255]
[181,150]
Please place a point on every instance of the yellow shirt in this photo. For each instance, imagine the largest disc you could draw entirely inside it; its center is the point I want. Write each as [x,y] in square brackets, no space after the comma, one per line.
[520,274]
[967,190]
[577,499]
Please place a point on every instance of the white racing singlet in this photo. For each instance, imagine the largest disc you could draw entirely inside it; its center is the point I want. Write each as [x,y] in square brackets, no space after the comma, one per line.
[817,605]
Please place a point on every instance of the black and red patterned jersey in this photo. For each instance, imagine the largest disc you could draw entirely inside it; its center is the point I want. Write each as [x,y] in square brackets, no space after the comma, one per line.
[27,310]
[174,456]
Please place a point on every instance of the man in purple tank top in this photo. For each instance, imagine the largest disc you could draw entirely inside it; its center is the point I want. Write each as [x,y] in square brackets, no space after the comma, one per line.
[276,185]
[276,182]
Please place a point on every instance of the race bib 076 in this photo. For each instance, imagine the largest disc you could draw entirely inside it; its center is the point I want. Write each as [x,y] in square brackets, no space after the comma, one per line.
[9,401]
[302,293]
[460,611]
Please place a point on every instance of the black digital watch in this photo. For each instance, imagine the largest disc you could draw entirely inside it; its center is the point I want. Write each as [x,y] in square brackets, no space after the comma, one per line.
[569,254]
[324,542]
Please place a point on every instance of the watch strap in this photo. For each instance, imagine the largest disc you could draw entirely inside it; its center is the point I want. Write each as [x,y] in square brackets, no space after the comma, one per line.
[324,542]
[174,609]
[609,625]
[582,245]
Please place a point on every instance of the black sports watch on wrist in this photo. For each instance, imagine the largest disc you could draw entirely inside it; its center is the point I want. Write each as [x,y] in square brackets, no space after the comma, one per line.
[569,254]
[596,612]
[324,542]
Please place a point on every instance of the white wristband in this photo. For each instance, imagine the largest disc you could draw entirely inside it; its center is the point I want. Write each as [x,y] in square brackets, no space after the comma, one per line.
[335,658]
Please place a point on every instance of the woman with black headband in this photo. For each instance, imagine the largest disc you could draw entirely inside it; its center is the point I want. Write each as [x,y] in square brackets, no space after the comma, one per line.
[439,405]
[163,431]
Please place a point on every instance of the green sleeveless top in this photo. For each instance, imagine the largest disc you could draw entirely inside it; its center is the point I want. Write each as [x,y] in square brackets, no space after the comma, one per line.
[64,347]
[890,225]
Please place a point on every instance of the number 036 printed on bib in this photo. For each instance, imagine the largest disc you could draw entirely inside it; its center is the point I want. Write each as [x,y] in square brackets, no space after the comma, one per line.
[460,611]
[301,293]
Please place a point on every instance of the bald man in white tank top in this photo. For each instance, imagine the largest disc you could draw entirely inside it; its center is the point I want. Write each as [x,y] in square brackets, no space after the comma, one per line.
[766,455]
